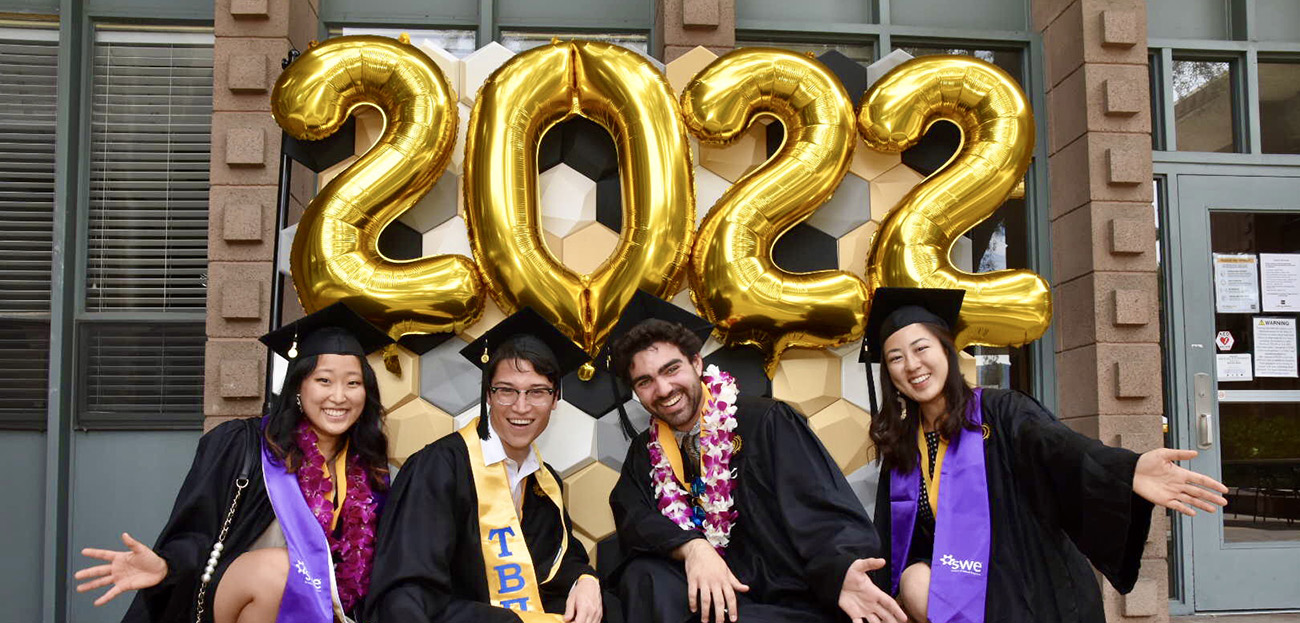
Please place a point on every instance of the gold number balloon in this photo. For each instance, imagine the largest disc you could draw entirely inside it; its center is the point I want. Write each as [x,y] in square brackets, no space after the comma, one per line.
[623,92]
[1002,308]
[734,281]
[335,256]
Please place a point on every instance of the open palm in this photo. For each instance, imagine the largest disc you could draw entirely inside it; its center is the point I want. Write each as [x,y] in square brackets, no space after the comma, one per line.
[1160,481]
[138,567]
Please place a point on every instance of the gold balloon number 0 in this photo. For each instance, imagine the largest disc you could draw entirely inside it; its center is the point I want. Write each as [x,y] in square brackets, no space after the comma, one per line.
[733,279]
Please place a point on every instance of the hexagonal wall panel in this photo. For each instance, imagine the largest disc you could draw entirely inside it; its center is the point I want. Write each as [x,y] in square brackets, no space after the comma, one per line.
[805,249]
[492,314]
[807,379]
[587,493]
[476,68]
[864,483]
[439,205]
[842,428]
[934,149]
[611,445]
[569,441]
[285,248]
[853,376]
[889,188]
[446,61]
[399,242]
[709,187]
[847,209]
[889,61]
[413,426]
[868,163]
[733,160]
[451,237]
[852,75]
[746,365]
[854,247]
[448,380]
[683,68]
[562,193]
[588,247]
[456,164]
[396,390]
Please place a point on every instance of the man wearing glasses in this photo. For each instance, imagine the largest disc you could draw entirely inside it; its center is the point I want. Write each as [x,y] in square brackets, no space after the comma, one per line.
[475,528]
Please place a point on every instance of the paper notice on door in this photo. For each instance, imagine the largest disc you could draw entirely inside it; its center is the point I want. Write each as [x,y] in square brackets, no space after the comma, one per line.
[1275,347]
[1233,367]
[1279,276]
[1236,284]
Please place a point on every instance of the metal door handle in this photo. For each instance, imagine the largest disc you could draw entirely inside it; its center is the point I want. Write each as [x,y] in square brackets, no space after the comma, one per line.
[1204,410]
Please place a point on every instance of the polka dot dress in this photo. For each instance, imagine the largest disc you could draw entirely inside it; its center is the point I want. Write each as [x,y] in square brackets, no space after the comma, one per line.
[932,446]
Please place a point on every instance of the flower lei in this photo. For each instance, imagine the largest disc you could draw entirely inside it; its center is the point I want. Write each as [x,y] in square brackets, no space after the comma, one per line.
[356,546]
[717,428]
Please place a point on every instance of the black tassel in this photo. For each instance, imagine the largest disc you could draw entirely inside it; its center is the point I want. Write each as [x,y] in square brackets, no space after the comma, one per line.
[871,385]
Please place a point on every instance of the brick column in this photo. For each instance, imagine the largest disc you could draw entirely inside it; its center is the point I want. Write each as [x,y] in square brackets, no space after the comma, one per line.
[1106,286]
[686,24]
[252,36]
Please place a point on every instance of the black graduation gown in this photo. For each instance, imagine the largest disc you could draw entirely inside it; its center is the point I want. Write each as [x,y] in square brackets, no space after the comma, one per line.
[1057,500]
[799,529]
[428,558]
[200,509]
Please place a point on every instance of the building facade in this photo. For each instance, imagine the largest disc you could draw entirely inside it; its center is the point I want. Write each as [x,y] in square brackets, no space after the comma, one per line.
[146,212]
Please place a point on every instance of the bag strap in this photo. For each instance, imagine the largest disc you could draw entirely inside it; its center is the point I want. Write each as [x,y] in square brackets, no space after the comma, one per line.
[251,451]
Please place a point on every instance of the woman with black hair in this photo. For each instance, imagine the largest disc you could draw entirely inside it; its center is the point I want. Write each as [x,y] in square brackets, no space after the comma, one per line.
[1026,503]
[276,519]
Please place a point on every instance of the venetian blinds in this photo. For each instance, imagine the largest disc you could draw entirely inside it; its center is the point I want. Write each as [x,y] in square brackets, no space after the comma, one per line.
[28,104]
[147,228]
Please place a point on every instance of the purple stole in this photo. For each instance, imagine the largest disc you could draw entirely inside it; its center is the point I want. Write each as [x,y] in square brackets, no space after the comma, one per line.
[309,591]
[962,530]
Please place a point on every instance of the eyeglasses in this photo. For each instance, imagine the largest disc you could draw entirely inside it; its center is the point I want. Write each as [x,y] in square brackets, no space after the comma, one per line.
[537,396]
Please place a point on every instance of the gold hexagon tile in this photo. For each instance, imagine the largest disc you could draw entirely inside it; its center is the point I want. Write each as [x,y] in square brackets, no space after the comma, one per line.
[888,188]
[588,545]
[685,67]
[869,164]
[587,248]
[809,380]
[733,160]
[396,390]
[968,368]
[842,428]
[588,494]
[370,126]
[492,315]
[854,247]
[415,425]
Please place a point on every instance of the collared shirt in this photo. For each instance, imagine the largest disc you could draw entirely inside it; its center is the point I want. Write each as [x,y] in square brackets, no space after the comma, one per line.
[494,452]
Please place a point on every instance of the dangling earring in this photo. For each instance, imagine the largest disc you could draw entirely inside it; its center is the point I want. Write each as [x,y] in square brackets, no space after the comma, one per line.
[297,398]
[902,408]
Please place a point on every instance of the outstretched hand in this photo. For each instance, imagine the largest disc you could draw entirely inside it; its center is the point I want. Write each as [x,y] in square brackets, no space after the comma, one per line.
[862,600]
[1160,481]
[138,567]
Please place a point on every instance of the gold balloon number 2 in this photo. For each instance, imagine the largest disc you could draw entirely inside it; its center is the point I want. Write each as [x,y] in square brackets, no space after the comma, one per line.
[734,281]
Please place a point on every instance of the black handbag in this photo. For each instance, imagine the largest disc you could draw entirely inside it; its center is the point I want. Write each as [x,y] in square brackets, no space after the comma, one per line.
[251,452]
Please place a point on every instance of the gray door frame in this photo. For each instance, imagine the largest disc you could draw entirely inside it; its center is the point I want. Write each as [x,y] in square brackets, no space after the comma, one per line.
[1214,576]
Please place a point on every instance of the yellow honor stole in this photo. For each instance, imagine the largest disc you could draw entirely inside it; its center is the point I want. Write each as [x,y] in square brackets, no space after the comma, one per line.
[931,478]
[512,582]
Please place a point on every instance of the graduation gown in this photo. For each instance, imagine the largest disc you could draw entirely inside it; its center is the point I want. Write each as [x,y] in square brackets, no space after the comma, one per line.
[800,525]
[428,554]
[196,519]
[1057,500]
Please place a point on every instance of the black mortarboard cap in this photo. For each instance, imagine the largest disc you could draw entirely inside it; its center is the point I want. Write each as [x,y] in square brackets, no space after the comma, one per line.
[895,308]
[568,355]
[334,330]
[645,306]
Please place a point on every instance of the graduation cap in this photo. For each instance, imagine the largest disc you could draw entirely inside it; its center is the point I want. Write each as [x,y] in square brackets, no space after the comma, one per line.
[334,330]
[645,306]
[895,308]
[535,333]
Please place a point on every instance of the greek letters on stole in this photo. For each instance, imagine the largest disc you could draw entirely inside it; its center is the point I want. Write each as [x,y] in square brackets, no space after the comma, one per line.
[512,582]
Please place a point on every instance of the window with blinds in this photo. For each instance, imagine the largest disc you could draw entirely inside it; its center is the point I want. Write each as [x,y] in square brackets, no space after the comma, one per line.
[142,334]
[28,104]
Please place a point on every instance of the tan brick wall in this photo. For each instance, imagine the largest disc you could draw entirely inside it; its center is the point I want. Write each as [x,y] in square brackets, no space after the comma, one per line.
[686,24]
[252,37]
[1106,288]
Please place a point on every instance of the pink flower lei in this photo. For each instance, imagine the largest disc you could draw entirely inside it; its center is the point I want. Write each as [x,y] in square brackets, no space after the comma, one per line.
[717,428]
[355,547]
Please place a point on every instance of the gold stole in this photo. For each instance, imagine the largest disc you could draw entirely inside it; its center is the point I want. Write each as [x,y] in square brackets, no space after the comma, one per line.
[512,582]
[931,478]
[673,452]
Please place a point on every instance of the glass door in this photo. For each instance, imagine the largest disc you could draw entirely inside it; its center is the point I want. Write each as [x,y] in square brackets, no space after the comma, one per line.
[1239,242]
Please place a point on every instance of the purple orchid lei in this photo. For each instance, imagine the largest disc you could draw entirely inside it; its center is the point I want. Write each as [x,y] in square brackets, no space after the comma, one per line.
[717,429]
[356,545]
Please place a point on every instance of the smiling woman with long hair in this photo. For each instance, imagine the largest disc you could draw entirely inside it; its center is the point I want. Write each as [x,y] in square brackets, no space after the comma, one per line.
[276,518]
[991,509]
